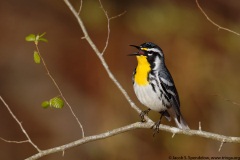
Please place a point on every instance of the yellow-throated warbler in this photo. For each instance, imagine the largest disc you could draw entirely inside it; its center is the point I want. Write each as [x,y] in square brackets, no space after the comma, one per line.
[154,85]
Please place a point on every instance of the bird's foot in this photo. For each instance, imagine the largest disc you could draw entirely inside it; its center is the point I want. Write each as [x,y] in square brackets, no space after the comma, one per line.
[142,114]
[155,127]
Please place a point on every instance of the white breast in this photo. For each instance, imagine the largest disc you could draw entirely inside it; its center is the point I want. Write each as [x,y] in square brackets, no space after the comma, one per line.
[148,97]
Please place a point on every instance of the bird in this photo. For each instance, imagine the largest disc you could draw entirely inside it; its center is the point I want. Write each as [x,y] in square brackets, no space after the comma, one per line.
[154,85]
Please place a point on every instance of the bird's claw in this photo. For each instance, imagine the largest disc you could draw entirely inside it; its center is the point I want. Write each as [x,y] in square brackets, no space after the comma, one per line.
[155,127]
[142,114]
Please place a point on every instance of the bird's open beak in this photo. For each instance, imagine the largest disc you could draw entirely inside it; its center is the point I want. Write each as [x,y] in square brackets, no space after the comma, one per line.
[135,53]
[135,46]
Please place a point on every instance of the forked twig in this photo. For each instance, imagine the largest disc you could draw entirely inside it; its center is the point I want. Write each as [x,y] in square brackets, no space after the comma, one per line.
[108,25]
[20,125]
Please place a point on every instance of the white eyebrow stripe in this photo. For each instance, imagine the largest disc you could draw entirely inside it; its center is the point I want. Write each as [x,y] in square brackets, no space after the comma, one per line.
[155,50]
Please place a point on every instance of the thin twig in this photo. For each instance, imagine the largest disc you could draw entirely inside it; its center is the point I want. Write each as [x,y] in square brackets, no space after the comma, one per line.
[199,126]
[8,141]
[227,100]
[221,145]
[215,24]
[59,90]
[80,7]
[20,125]
[119,15]
[108,27]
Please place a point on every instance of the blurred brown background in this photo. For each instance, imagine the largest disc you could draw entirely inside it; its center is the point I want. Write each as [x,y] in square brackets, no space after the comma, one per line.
[203,60]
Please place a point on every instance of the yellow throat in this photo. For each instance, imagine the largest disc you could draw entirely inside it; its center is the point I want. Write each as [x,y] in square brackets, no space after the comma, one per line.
[142,70]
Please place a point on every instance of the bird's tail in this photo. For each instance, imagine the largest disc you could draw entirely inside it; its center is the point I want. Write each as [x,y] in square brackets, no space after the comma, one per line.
[180,122]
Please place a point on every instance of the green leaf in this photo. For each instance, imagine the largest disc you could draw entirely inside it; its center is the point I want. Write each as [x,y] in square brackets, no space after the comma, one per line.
[36,57]
[43,39]
[45,104]
[56,102]
[30,38]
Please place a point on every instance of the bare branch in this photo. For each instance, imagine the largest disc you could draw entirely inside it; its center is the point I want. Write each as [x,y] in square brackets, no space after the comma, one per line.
[215,24]
[90,139]
[20,124]
[137,125]
[108,25]
[59,90]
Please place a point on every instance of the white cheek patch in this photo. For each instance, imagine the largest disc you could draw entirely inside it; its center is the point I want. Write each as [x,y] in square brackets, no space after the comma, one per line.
[157,63]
